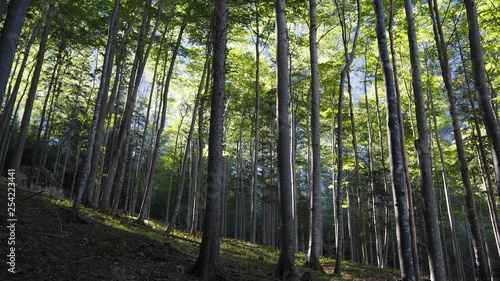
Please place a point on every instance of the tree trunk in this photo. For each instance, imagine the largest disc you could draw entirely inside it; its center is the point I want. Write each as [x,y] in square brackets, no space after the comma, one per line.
[316,222]
[6,116]
[398,185]
[435,250]
[137,71]
[208,264]
[103,89]
[349,57]
[478,72]
[28,107]
[286,260]
[255,160]
[9,39]
[478,242]
[409,189]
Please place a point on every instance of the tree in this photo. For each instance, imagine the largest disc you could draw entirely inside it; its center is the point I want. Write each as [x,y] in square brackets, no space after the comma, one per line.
[286,261]
[98,110]
[491,125]
[23,133]
[348,58]
[316,227]
[208,264]
[396,161]
[435,251]
[9,39]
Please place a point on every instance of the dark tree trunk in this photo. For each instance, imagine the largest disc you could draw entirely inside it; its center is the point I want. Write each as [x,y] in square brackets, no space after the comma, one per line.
[398,185]
[103,89]
[286,260]
[435,250]
[208,264]
[316,222]
[9,39]
[28,107]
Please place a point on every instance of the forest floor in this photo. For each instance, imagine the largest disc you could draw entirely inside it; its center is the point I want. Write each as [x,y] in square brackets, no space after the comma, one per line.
[47,247]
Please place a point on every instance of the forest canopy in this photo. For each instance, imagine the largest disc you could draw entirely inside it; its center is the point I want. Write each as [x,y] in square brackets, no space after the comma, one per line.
[385,112]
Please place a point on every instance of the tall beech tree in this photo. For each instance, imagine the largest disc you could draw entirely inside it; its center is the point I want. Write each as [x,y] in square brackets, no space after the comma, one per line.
[208,264]
[98,110]
[316,221]
[434,245]
[348,59]
[286,261]
[492,130]
[396,161]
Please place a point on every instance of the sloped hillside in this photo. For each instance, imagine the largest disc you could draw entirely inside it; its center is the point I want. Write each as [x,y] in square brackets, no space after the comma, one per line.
[47,247]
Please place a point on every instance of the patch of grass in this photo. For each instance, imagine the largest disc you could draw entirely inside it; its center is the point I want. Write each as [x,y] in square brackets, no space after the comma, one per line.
[117,248]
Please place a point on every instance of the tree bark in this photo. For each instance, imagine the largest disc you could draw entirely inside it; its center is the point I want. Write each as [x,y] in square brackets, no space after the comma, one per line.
[9,40]
[103,88]
[255,164]
[398,185]
[208,264]
[28,107]
[434,244]
[492,130]
[137,71]
[316,222]
[286,260]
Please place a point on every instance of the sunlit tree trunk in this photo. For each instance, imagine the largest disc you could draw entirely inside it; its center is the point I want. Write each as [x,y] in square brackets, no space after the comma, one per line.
[479,75]
[349,57]
[434,245]
[409,189]
[161,125]
[398,185]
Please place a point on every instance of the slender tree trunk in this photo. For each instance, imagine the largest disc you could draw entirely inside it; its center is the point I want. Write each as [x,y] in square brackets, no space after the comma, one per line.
[398,185]
[255,160]
[411,213]
[137,71]
[349,57]
[286,260]
[435,250]
[199,165]
[208,264]
[103,88]
[28,107]
[484,101]
[316,222]
[375,213]
[481,258]
[9,39]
